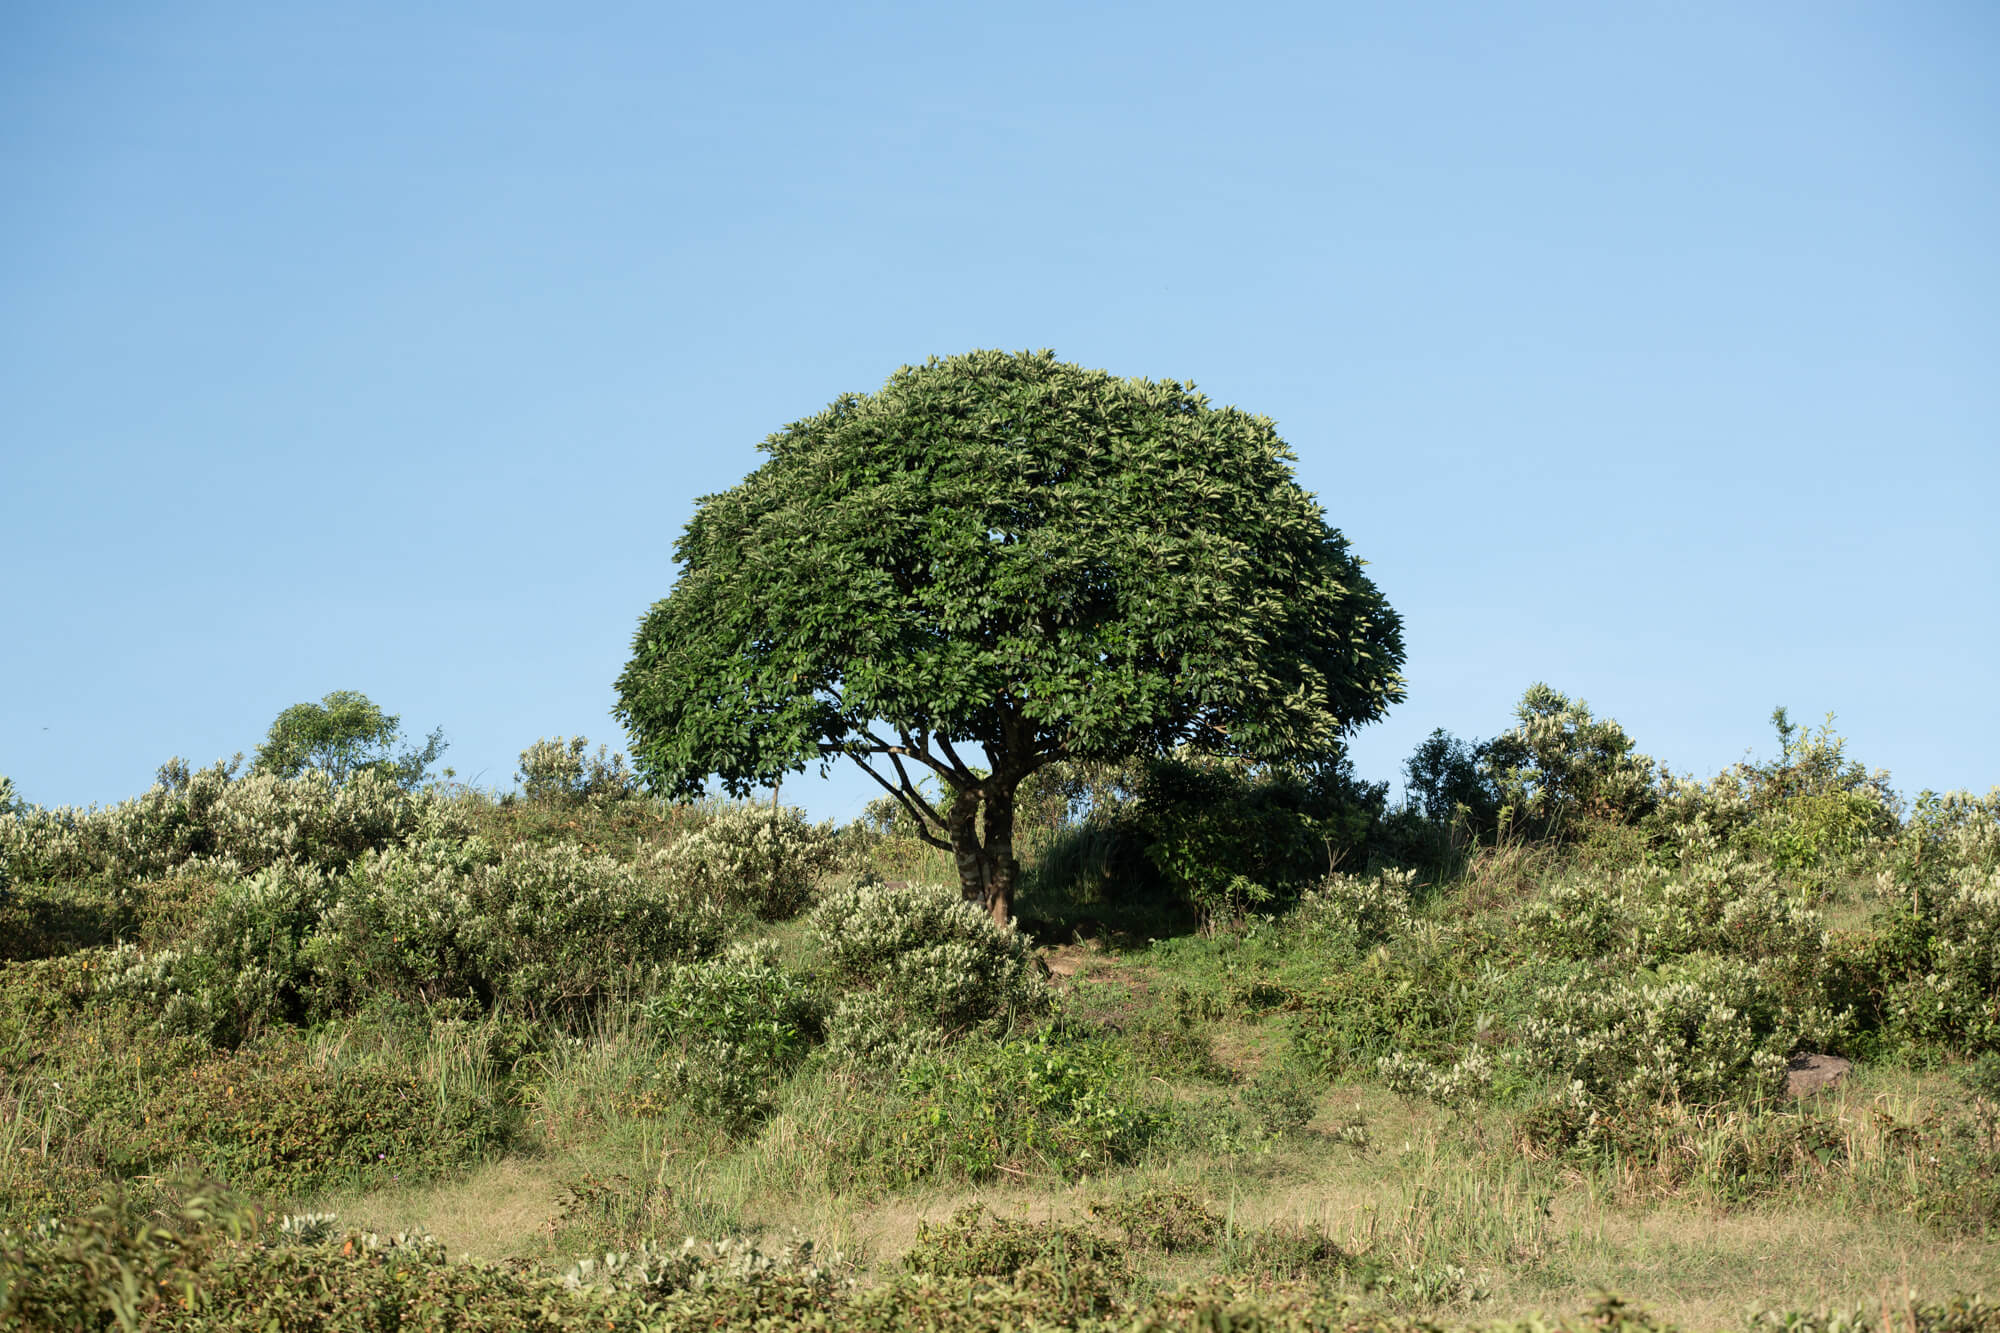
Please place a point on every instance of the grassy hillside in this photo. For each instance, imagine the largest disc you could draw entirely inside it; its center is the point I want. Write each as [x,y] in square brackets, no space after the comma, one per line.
[365,1057]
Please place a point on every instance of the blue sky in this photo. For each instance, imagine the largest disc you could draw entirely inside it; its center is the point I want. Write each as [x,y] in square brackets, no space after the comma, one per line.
[1652,351]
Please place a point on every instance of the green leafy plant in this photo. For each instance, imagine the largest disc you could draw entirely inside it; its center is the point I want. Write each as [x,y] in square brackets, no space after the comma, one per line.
[1083,1273]
[735,1025]
[1560,766]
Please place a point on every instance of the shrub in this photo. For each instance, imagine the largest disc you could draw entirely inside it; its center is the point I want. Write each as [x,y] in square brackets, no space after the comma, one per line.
[1078,1273]
[1280,1101]
[1285,1250]
[1445,781]
[938,957]
[869,1030]
[1721,903]
[1361,912]
[272,1120]
[1465,1081]
[45,920]
[1560,766]
[241,969]
[1225,839]
[244,825]
[543,929]
[1706,1031]
[559,770]
[767,861]
[736,1025]
[1171,1219]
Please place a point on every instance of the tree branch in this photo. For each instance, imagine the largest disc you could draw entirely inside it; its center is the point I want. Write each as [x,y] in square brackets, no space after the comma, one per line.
[903,800]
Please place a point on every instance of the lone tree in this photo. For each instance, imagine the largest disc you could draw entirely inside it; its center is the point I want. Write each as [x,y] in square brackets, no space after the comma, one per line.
[995,562]
[341,735]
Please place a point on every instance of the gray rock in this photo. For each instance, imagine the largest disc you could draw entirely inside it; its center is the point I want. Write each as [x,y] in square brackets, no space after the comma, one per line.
[1808,1074]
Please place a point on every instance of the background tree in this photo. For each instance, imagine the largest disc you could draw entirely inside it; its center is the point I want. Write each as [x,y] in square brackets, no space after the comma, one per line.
[342,734]
[995,562]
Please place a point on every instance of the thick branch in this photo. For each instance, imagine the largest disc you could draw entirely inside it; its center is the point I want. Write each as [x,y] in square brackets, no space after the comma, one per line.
[903,799]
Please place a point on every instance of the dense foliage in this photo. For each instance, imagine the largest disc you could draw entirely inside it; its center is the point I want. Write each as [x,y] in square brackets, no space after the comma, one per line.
[1555,972]
[993,563]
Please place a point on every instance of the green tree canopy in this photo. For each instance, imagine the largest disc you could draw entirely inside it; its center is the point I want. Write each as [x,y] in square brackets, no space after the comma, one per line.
[996,561]
[342,734]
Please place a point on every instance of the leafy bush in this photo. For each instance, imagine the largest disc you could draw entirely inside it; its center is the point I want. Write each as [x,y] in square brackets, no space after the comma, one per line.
[1466,1080]
[273,1120]
[542,929]
[1705,1031]
[559,770]
[938,957]
[1446,781]
[1947,998]
[736,1025]
[768,861]
[241,969]
[1360,912]
[244,825]
[1720,903]
[1561,766]
[1281,1102]
[1078,1273]
[1285,1250]
[870,1030]
[1170,1219]
[1229,841]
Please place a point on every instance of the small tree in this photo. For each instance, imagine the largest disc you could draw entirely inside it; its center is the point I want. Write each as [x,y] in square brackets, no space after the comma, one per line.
[340,735]
[995,562]
[1560,765]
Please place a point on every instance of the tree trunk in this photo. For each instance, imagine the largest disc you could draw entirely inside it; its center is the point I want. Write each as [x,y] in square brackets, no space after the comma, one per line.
[987,869]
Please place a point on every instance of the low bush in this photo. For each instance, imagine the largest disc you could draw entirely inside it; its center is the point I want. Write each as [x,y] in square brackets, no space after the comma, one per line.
[735,1026]
[1703,1032]
[274,1121]
[550,930]
[766,861]
[1284,1250]
[1172,1220]
[243,824]
[1077,1273]
[940,959]
[1354,911]
[560,771]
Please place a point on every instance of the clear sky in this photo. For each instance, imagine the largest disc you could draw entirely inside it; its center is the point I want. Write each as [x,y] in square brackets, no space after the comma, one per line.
[1649,350]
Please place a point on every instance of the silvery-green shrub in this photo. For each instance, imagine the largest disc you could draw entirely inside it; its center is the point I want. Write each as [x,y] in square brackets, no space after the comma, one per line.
[1466,1080]
[1705,1031]
[242,825]
[768,861]
[869,1030]
[1365,910]
[561,770]
[1721,903]
[540,929]
[1560,764]
[941,958]
[242,967]
[1951,1005]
